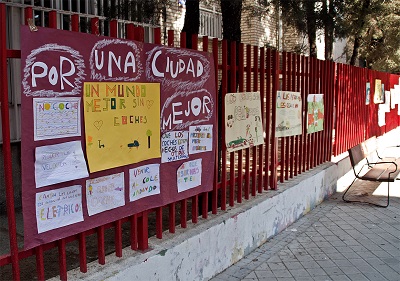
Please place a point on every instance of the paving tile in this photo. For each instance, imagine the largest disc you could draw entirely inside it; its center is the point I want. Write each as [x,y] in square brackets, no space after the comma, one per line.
[264,273]
[316,271]
[301,272]
[358,277]
[310,264]
[281,273]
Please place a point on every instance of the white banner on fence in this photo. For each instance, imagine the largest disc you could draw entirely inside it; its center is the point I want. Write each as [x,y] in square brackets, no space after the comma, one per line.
[288,114]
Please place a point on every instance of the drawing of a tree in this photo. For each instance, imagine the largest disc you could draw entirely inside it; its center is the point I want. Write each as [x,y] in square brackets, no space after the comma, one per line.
[148,134]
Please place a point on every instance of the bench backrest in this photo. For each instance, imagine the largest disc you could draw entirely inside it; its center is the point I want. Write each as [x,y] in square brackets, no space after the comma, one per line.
[357,154]
[362,150]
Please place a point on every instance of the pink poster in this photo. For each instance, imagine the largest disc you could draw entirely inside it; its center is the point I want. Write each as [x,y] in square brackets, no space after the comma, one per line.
[125,79]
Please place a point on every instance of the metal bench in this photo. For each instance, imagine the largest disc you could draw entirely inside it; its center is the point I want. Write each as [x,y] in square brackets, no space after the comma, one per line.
[383,170]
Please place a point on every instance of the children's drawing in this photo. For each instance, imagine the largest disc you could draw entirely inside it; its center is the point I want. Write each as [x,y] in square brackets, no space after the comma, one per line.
[58,207]
[378,94]
[200,138]
[59,163]
[174,146]
[288,114]
[55,118]
[367,93]
[315,113]
[105,193]
[144,181]
[189,175]
[243,125]
[118,118]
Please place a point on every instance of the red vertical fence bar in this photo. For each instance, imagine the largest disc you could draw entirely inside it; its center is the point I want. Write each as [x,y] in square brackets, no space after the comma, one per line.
[282,139]
[12,232]
[268,126]
[254,149]
[304,117]
[248,89]
[204,195]
[275,85]
[292,139]
[307,92]
[262,96]
[214,201]
[240,152]
[287,139]
[298,137]
[232,89]
[222,93]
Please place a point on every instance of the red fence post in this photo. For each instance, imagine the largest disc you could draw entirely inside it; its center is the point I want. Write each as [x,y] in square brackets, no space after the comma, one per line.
[275,86]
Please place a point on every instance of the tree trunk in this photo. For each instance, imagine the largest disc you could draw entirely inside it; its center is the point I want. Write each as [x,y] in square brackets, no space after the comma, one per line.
[360,25]
[311,27]
[192,21]
[329,28]
[231,19]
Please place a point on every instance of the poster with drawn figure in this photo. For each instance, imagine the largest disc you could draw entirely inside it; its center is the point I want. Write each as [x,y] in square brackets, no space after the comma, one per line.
[200,138]
[59,163]
[243,124]
[288,114]
[189,175]
[367,93]
[122,123]
[55,118]
[58,207]
[105,193]
[315,113]
[378,94]
[144,181]
[174,146]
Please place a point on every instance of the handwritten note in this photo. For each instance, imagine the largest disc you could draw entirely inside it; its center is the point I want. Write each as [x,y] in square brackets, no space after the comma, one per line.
[122,123]
[59,163]
[243,125]
[174,146]
[144,181]
[200,138]
[288,114]
[58,208]
[105,193]
[189,175]
[56,118]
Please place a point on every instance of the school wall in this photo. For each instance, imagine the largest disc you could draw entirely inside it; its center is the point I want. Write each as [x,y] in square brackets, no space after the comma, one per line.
[203,250]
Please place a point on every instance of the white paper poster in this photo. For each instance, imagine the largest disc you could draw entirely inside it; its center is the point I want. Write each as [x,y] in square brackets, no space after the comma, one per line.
[288,114]
[315,113]
[55,118]
[386,105]
[243,125]
[381,115]
[59,163]
[393,100]
[59,207]
[174,146]
[105,193]
[200,138]
[144,181]
[189,175]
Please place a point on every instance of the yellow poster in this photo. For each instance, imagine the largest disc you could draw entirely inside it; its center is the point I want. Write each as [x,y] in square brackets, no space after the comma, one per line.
[122,123]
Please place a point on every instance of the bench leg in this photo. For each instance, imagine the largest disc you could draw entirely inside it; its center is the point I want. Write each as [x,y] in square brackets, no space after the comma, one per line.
[344,194]
[349,201]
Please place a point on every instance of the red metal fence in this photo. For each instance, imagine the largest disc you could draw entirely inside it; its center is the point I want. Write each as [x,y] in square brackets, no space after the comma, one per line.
[242,174]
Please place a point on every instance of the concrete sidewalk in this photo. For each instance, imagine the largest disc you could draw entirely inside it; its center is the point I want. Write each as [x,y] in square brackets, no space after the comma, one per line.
[335,241]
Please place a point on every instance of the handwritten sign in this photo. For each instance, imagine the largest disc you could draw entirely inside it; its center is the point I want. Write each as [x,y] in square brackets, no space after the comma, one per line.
[121,123]
[59,163]
[315,113]
[105,193]
[189,175]
[144,181]
[243,125]
[56,118]
[200,138]
[58,208]
[174,146]
[288,114]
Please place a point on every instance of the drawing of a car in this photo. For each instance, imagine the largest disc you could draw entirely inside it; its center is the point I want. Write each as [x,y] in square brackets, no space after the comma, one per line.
[236,143]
